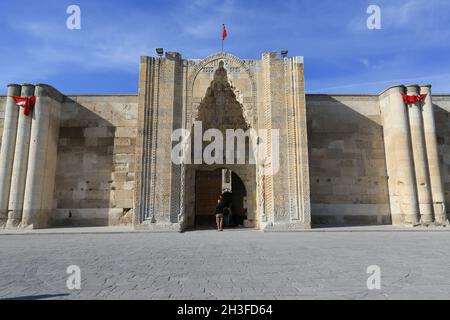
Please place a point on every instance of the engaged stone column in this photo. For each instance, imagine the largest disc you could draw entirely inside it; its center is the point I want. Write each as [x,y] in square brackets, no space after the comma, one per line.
[7,150]
[19,171]
[399,158]
[433,157]
[420,157]
[41,169]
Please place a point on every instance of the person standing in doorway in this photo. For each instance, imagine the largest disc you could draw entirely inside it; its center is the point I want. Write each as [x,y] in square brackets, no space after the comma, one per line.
[219,214]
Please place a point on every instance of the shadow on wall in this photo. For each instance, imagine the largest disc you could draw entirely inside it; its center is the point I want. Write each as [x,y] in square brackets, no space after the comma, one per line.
[348,177]
[442,120]
[84,179]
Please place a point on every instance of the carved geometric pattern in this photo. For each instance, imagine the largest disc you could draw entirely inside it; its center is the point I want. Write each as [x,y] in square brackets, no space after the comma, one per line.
[194,115]
[151,167]
[226,56]
[305,191]
[294,204]
[248,108]
[267,214]
[297,157]
[147,193]
[219,108]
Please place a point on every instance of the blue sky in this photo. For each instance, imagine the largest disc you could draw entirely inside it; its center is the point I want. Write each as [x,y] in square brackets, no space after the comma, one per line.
[341,54]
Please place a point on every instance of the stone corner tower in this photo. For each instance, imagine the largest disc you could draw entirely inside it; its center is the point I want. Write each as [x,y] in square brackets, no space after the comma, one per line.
[416,194]
[28,157]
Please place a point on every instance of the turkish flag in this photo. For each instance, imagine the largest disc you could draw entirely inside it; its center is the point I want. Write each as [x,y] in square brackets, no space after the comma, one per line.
[27,103]
[413,98]
[224,32]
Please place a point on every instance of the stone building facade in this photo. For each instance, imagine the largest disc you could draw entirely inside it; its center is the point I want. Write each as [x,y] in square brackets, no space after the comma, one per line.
[91,160]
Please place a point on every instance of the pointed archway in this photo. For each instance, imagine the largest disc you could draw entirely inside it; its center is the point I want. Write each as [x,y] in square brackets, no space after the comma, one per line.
[220,109]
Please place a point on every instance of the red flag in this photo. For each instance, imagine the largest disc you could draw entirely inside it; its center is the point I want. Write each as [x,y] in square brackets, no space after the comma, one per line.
[413,98]
[224,32]
[27,103]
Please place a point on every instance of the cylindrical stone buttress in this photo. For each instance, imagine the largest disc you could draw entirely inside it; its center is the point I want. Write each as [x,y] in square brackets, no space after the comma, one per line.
[7,150]
[429,125]
[399,158]
[34,188]
[19,171]
[420,157]
[52,153]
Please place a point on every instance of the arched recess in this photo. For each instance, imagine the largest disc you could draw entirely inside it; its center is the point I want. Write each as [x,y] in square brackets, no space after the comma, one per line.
[249,106]
[247,173]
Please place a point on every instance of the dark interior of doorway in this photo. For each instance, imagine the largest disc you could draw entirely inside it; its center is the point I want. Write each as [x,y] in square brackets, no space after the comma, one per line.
[208,187]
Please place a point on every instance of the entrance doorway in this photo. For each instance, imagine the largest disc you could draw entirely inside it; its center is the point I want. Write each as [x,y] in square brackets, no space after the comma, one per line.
[208,186]
[238,200]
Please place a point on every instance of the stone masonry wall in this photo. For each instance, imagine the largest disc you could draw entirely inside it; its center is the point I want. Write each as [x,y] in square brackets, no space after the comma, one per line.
[94,180]
[442,118]
[95,173]
[347,161]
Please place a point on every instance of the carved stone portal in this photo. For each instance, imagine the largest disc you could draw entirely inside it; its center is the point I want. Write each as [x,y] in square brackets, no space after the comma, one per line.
[224,92]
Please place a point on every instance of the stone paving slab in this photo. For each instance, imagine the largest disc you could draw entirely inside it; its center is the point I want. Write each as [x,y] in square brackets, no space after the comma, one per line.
[226,265]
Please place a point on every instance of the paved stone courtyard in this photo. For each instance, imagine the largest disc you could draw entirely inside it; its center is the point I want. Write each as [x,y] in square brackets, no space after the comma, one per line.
[235,264]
